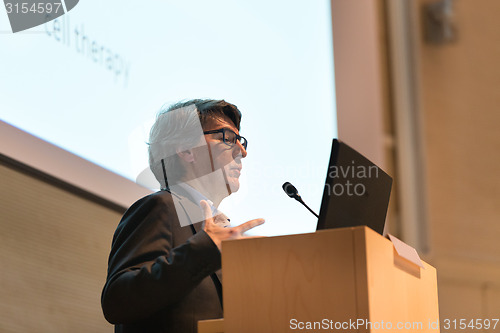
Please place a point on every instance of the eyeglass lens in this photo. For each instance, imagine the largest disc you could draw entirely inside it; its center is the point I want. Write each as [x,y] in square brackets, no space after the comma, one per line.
[230,138]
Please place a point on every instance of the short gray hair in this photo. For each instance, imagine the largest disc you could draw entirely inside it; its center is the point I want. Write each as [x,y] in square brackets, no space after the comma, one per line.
[178,126]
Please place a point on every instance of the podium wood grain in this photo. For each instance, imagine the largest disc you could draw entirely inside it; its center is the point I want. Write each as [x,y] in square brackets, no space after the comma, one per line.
[339,275]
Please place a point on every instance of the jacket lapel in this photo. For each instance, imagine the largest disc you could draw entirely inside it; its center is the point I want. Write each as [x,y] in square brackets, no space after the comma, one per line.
[188,211]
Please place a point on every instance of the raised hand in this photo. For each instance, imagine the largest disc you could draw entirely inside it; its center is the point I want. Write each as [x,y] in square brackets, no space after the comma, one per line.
[218,233]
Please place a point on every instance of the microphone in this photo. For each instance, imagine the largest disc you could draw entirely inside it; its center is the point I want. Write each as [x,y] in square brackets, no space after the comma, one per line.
[292,192]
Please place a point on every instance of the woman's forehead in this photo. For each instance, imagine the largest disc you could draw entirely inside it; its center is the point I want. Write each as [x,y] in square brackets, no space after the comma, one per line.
[220,122]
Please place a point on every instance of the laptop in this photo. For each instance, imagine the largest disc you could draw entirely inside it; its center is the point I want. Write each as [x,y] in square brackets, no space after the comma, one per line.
[356,191]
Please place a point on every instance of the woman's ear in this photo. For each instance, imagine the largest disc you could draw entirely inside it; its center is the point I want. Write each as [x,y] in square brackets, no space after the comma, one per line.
[185,155]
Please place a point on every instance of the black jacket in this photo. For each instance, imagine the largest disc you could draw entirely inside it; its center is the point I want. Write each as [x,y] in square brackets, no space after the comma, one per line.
[159,272]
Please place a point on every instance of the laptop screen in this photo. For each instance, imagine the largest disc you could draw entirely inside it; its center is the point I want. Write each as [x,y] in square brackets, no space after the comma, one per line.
[356,191]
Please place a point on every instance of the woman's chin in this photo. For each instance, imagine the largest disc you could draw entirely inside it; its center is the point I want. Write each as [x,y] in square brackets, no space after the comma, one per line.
[233,185]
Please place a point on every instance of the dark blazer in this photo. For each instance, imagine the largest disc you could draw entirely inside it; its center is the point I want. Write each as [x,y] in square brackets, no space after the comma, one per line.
[159,272]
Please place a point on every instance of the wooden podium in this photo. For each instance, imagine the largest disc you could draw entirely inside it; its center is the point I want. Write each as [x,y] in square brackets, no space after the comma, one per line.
[347,280]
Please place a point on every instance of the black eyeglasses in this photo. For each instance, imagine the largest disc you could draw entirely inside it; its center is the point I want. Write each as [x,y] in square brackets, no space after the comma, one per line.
[229,137]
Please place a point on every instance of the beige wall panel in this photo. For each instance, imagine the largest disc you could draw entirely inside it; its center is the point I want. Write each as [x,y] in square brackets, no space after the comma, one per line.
[53,252]
[460,101]
[459,300]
